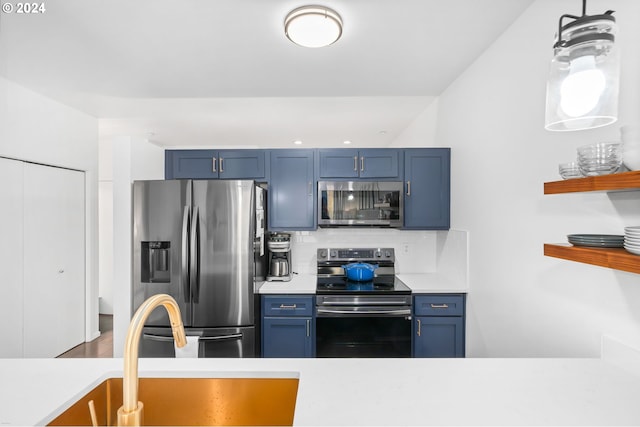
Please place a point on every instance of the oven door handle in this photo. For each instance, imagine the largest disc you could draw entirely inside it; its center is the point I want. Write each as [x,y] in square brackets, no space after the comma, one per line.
[364,311]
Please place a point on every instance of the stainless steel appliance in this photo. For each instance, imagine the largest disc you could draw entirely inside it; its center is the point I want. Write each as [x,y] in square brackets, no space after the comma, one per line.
[361,203]
[201,242]
[361,319]
[279,249]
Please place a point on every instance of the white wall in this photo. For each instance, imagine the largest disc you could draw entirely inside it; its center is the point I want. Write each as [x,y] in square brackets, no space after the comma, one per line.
[421,132]
[132,159]
[521,303]
[38,129]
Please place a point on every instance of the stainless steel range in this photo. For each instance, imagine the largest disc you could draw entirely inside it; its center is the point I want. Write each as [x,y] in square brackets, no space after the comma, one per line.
[361,318]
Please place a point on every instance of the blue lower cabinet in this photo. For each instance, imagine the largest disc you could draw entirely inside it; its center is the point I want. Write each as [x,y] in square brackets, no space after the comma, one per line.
[291,331]
[439,325]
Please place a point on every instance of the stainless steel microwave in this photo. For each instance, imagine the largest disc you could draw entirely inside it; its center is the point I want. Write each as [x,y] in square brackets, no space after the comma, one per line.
[360,203]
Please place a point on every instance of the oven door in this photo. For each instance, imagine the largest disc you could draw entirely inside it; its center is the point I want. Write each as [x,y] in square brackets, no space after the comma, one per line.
[363,331]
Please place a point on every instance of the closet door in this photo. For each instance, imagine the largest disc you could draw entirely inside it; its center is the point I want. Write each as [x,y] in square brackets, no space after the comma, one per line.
[11,324]
[54,276]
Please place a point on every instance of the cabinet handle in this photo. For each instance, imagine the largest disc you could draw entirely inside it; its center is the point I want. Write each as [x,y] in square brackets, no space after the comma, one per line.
[419,327]
[310,188]
[221,164]
[308,327]
[214,163]
[439,306]
[293,306]
[362,164]
[408,188]
[355,163]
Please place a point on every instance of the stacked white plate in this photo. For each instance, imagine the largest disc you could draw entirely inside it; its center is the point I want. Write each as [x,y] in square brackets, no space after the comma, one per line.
[632,239]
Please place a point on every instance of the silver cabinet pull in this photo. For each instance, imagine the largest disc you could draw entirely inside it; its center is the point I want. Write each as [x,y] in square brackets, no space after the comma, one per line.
[439,306]
[310,188]
[308,327]
[419,331]
[221,165]
[408,188]
[292,306]
[362,164]
[214,164]
[355,163]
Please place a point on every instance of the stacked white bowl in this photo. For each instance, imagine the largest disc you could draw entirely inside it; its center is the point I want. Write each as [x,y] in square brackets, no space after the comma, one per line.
[632,240]
[602,158]
[630,136]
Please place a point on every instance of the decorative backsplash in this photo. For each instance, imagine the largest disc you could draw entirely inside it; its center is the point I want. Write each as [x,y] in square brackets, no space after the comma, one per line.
[416,251]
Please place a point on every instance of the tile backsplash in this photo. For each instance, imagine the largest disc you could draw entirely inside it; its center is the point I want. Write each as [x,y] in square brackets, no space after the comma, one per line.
[416,251]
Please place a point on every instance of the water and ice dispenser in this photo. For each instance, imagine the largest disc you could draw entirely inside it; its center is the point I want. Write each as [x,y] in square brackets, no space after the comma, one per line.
[156,262]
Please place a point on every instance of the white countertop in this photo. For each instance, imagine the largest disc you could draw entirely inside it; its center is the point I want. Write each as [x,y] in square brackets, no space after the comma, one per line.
[299,284]
[432,283]
[366,391]
[418,283]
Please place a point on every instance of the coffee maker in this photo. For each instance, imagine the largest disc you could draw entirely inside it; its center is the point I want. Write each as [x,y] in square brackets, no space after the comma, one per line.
[279,247]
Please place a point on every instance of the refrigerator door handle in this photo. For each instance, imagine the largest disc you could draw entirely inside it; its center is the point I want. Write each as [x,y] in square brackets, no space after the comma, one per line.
[161,338]
[185,254]
[169,338]
[222,337]
[194,267]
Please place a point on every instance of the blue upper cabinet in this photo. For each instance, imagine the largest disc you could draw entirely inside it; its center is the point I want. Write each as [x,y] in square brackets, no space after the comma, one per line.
[292,190]
[215,164]
[427,179]
[368,163]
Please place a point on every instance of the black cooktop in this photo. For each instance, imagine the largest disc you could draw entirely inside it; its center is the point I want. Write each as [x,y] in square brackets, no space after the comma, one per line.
[379,285]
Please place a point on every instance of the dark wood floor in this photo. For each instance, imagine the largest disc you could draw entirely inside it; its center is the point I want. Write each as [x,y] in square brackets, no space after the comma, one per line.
[100,347]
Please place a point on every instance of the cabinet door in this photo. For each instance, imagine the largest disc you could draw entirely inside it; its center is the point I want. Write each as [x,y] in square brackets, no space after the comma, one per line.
[346,163]
[11,258]
[438,337]
[287,337]
[427,188]
[54,276]
[191,164]
[292,193]
[382,163]
[339,163]
[241,164]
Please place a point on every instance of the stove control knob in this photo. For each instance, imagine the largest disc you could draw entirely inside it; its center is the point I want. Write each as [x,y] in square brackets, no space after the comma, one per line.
[323,254]
[378,254]
[333,254]
[387,254]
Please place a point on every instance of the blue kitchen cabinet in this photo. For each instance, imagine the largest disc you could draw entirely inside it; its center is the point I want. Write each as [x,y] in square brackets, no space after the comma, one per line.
[292,190]
[427,180]
[366,163]
[215,164]
[288,326]
[439,325]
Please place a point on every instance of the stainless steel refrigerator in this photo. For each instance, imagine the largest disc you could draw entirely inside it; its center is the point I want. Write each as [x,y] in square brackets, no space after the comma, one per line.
[202,242]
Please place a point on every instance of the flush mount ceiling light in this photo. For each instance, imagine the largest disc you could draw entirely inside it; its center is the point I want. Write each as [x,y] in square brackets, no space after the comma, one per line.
[582,90]
[313,26]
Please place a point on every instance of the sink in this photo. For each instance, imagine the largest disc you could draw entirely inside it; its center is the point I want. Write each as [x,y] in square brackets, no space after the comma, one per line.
[193,402]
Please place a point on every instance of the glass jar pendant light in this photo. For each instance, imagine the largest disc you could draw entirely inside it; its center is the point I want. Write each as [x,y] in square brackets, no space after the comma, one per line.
[582,90]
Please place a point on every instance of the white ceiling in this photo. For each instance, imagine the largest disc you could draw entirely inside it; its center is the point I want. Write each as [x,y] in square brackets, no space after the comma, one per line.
[221,72]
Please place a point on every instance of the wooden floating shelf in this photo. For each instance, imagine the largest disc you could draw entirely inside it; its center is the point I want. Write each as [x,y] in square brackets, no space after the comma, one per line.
[613,182]
[616,258]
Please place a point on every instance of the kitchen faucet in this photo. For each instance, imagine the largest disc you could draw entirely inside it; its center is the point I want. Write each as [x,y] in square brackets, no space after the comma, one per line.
[130,413]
